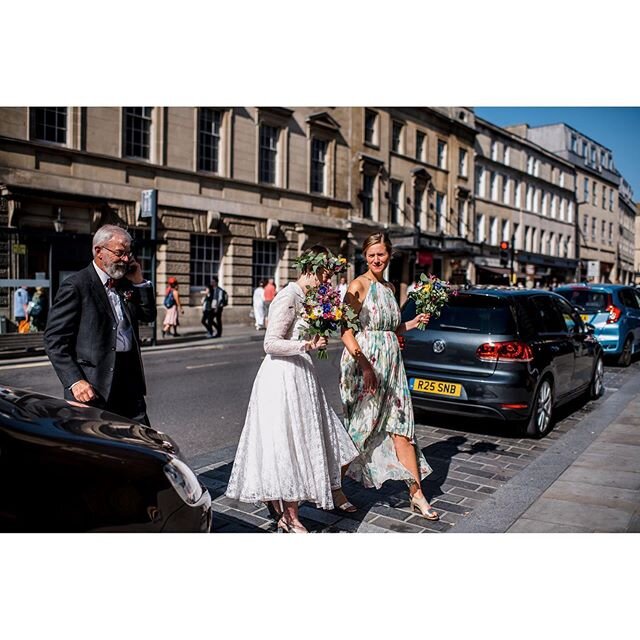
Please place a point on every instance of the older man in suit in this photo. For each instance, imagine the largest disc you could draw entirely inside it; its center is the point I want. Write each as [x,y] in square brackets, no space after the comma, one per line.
[92,336]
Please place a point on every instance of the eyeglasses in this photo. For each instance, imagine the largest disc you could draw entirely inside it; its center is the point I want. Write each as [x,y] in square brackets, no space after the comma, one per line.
[119,253]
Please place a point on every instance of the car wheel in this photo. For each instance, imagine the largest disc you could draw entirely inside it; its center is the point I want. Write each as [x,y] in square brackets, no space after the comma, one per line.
[596,388]
[539,422]
[624,360]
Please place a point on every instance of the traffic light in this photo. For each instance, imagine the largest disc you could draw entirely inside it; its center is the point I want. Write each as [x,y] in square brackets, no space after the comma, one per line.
[505,254]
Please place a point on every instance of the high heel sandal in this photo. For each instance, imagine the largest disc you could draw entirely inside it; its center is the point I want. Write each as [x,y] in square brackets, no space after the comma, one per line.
[282,527]
[345,506]
[289,527]
[421,506]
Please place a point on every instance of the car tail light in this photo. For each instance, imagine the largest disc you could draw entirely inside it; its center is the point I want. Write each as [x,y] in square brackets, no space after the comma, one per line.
[521,405]
[510,351]
[614,314]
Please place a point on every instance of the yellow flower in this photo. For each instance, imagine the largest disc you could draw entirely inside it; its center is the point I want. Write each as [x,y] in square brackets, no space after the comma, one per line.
[338,314]
[312,316]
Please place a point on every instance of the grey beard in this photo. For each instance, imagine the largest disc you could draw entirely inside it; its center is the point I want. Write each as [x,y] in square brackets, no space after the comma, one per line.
[116,271]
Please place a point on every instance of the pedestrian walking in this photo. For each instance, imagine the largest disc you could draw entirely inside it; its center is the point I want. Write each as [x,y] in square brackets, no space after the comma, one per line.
[213,304]
[37,310]
[20,302]
[173,308]
[269,294]
[293,446]
[342,288]
[373,384]
[258,305]
[92,336]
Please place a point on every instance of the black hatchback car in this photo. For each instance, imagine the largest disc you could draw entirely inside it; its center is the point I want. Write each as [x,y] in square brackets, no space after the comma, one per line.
[71,468]
[508,354]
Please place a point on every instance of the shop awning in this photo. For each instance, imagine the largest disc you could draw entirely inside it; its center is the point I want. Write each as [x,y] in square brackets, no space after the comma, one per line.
[502,271]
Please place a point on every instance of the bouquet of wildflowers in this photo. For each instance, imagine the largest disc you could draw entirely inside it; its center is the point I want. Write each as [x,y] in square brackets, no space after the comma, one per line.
[430,296]
[325,314]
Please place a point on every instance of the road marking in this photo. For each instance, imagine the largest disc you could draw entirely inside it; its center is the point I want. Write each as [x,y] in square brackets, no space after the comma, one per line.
[174,349]
[209,364]
[24,366]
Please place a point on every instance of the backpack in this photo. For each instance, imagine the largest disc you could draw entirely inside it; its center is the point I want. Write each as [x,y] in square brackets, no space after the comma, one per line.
[169,301]
[34,308]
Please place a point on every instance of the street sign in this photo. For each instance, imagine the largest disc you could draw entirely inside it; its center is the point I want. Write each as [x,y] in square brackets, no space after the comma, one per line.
[593,268]
[20,249]
[149,203]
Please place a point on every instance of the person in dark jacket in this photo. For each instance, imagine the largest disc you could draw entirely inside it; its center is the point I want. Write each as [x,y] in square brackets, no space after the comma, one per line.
[215,301]
[92,335]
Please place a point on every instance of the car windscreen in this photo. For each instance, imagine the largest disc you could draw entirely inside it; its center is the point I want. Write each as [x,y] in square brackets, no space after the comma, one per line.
[470,313]
[590,301]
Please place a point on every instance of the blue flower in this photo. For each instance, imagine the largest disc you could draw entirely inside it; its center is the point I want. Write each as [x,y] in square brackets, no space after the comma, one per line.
[322,291]
[326,308]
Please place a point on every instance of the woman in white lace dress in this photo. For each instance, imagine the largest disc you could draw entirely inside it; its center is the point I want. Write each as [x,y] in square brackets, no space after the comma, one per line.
[293,446]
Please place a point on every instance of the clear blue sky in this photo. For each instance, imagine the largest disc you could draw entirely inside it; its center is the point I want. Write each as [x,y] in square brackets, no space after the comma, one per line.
[617,128]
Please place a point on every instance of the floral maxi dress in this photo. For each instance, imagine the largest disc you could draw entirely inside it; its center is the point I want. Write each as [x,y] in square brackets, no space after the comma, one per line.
[372,418]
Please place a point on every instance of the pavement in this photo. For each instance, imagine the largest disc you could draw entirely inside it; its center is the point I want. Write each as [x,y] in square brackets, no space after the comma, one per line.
[583,477]
[18,346]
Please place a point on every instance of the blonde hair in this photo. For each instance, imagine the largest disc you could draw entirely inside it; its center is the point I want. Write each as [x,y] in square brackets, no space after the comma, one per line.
[377,238]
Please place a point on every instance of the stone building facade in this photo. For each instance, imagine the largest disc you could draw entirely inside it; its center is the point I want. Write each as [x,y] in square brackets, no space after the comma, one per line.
[627,212]
[597,182]
[240,192]
[525,197]
[412,174]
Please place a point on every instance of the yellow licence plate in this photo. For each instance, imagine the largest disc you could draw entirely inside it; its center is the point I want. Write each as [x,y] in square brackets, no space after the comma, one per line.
[435,386]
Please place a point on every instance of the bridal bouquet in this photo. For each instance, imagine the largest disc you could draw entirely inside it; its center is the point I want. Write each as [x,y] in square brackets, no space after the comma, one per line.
[430,296]
[325,314]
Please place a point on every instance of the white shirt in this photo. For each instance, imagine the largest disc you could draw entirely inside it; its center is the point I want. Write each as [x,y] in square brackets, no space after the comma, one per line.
[124,337]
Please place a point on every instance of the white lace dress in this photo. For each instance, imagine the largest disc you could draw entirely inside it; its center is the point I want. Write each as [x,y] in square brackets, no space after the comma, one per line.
[293,445]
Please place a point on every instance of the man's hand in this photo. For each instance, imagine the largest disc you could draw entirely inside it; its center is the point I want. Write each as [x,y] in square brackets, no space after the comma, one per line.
[135,272]
[83,392]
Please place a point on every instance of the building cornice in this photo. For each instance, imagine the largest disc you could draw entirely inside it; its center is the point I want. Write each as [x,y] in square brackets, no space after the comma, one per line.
[168,171]
[523,141]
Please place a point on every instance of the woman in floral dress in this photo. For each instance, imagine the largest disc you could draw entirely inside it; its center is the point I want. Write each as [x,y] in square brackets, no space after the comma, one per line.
[373,385]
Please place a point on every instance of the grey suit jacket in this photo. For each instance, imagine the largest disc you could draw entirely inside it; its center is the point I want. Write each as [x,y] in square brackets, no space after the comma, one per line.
[80,338]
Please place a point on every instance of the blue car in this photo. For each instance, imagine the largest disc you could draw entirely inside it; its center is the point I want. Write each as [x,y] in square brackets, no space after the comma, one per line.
[614,310]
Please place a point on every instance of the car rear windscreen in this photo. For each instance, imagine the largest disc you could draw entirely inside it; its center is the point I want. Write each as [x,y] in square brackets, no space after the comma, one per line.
[464,312]
[590,301]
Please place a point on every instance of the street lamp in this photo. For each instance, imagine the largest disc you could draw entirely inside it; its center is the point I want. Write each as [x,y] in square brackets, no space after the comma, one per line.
[58,223]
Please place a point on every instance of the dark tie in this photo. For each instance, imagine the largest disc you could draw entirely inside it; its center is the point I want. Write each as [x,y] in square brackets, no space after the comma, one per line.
[110,283]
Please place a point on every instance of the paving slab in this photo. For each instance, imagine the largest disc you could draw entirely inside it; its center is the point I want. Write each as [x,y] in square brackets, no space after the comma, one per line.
[599,460]
[605,477]
[568,512]
[622,434]
[590,494]
[528,525]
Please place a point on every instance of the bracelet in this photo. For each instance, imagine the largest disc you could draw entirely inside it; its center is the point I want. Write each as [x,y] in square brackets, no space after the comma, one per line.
[357,353]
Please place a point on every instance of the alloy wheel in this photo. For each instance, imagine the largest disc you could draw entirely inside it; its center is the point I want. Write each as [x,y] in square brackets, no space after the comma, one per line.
[543,407]
[625,356]
[597,384]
